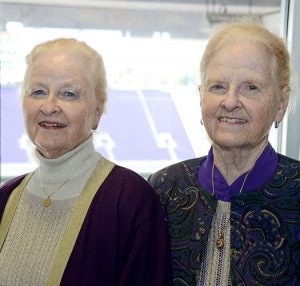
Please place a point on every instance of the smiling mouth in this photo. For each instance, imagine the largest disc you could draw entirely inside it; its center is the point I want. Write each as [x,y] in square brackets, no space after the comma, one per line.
[52,125]
[232,120]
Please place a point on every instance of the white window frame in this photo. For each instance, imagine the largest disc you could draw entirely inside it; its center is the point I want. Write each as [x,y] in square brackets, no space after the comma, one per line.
[289,131]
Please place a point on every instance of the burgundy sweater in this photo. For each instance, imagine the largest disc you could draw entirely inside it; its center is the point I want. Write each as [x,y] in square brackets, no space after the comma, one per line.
[123,240]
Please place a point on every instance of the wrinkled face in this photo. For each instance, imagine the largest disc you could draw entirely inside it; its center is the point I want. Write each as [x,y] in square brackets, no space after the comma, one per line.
[59,103]
[240,98]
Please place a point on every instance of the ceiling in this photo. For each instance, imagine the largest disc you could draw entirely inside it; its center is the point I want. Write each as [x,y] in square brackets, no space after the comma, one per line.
[184,19]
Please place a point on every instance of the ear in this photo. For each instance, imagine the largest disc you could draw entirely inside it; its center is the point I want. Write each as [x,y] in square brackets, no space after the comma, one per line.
[283,103]
[200,93]
[98,112]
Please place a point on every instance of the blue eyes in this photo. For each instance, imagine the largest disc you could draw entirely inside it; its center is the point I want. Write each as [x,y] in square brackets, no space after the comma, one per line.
[64,94]
[243,89]
[252,87]
[217,87]
[69,94]
[38,93]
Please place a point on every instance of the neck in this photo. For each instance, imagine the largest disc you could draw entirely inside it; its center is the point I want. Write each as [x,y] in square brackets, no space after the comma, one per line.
[233,162]
[64,177]
[69,165]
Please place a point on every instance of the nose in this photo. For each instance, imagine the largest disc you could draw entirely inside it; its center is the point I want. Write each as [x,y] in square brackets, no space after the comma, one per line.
[50,105]
[231,100]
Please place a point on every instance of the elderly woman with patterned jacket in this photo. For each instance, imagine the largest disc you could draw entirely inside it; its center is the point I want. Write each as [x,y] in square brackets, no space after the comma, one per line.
[234,215]
[78,219]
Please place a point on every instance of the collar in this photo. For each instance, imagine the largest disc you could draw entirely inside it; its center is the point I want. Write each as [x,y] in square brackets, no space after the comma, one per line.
[262,171]
[69,165]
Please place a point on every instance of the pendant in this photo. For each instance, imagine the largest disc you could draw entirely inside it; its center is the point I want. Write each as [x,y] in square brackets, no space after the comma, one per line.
[46,202]
[220,242]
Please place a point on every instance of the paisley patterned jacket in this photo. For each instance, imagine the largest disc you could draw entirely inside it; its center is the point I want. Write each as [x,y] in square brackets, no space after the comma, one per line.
[265,225]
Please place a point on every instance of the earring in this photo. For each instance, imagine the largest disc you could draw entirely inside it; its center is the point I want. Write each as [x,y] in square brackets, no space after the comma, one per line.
[276,123]
[201,121]
[95,127]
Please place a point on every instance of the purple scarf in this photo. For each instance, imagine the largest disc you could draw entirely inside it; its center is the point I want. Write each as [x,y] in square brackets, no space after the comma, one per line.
[263,169]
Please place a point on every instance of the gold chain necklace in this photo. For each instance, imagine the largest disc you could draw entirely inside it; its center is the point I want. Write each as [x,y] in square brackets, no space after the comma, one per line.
[220,240]
[47,201]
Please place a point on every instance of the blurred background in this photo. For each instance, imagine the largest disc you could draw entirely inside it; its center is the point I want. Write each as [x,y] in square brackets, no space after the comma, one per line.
[151,51]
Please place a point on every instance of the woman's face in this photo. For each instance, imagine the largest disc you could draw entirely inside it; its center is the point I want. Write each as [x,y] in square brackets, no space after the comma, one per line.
[240,98]
[59,103]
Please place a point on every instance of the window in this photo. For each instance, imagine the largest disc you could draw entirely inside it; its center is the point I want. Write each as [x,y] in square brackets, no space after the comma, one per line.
[151,51]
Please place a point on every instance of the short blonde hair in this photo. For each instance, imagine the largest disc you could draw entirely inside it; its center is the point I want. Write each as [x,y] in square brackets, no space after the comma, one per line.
[81,48]
[251,30]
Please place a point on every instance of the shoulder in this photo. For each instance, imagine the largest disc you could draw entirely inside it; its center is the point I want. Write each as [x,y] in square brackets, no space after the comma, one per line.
[126,186]
[7,188]
[288,170]
[128,194]
[184,170]
[125,177]
[11,184]
[178,188]
[285,161]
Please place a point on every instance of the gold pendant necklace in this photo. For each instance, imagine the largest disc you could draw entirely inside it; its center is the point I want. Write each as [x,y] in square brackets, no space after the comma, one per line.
[46,202]
[220,242]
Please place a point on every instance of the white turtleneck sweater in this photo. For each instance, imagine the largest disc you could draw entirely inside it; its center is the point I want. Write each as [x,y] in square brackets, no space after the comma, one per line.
[35,231]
